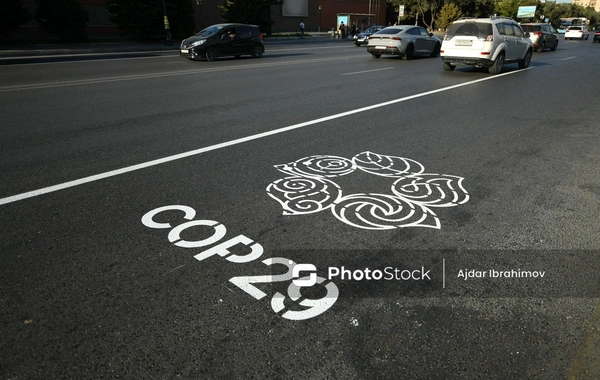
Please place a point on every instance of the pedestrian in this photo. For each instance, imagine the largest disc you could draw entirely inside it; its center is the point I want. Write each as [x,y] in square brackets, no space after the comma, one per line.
[342,30]
[302,29]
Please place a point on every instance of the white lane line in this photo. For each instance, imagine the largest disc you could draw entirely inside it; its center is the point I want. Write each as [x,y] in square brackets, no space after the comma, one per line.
[149,54]
[566,59]
[113,173]
[367,71]
[164,74]
[88,54]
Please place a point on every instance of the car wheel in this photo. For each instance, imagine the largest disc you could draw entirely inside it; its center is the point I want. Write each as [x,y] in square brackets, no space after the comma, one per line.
[436,50]
[448,67]
[524,63]
[375,55]
[553,48]
[257,51]
[542,47]
[211,54]
[498,64]
[409,53]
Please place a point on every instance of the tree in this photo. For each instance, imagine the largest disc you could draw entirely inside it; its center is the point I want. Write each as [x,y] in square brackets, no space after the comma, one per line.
[448,14]
[66,19]
[144,19]
[12,15]
[256,12]
[428,7]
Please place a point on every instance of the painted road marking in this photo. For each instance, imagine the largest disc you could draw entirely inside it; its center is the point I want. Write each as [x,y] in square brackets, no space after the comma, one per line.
[164,74]
[113,173]
[308,188]
[566,59]
[368,71]
[163,54]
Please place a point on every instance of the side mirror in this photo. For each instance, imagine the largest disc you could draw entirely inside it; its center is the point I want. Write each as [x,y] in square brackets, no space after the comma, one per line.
[527,35]
[430,34]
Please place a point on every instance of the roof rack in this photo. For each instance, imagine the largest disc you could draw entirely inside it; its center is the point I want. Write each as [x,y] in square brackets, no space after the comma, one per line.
[465,18]
[501,17]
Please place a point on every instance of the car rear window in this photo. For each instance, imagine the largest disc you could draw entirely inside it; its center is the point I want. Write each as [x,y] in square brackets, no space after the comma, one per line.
[479,29]
[575,28]
[531,28]
[394,30]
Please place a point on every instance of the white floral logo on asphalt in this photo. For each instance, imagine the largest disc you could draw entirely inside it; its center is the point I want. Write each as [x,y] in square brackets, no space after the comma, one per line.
[308,188]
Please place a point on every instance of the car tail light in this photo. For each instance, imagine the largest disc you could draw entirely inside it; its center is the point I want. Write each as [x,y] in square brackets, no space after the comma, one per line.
[260,36]
[485,53]
[396,38]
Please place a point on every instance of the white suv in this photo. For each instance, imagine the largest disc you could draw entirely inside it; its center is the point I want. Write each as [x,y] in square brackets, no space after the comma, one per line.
[486,42]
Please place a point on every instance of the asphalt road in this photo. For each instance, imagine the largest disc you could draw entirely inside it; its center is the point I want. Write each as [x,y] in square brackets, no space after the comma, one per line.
[152,209]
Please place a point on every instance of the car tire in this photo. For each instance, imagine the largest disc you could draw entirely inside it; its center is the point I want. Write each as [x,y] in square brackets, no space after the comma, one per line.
[257,51]
[496,68]
[436,50]
[375,55]
[448,67]
[553,48]
[542,47]
[211,54]
[409,53]
[524,63]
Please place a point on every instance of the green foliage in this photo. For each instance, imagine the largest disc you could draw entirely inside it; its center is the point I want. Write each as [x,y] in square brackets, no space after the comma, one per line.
[448,14]
[12,15]
[66,19]
[255,12]
[554,12]
[144,19]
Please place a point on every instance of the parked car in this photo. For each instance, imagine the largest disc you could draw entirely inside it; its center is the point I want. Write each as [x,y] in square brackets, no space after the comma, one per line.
[223,40]
[363,37]
[579,32]
[488,43]
[542,35]
[597,34]
[405,41]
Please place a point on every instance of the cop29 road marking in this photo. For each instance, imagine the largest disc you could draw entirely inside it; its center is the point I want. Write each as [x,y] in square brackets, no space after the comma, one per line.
[113,173]
[166,74]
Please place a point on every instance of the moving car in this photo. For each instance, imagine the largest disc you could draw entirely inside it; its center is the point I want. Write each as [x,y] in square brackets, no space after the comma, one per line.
[405,41]
[579,32]
[597,34]
[363,38]
[223,40]
[561,30]
[488,43]
[542,35]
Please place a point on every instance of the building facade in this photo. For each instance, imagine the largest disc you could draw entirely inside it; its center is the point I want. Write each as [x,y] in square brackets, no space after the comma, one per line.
[317,15]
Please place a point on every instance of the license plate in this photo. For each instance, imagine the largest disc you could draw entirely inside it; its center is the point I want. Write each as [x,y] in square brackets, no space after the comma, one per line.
[380,47]
[185,51]
[464,43]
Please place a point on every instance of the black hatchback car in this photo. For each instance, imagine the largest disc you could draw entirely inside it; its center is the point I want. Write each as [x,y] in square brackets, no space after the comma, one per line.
[223,40]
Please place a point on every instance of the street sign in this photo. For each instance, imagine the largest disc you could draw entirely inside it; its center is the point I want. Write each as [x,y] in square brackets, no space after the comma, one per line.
[401,11]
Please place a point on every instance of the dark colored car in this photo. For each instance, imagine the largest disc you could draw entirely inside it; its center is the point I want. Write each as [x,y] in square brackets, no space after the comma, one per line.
[363,38]
[597,34]
[543,36]
[223,40]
